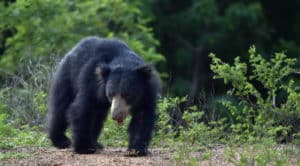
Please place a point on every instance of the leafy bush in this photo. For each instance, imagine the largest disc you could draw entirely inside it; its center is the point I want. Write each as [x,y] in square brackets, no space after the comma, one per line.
[24,136]
[273,111]
[188,129]
[263,153]
[113,134]
[41,28]
[25,96]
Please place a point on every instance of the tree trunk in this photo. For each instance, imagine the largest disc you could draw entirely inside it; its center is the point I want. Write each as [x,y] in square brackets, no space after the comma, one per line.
[195,77]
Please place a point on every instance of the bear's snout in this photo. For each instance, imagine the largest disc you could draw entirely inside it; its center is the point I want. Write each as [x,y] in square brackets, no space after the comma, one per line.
[119,109]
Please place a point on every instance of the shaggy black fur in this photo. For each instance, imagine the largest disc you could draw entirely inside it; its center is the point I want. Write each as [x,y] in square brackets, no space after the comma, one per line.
[81,94]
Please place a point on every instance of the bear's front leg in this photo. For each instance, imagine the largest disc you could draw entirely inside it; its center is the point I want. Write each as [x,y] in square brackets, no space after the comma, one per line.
[97,125]
[80,118]
[140,132]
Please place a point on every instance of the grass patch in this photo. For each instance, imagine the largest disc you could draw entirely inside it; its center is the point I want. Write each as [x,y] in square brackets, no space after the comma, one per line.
[114,135]
[14,155]
[24,137]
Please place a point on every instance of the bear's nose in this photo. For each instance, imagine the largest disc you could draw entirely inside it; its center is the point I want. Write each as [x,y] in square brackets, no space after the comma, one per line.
[121,116]
[119,108]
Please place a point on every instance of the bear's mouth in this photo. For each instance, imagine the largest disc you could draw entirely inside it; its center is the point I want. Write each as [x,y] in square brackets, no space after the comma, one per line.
[122,118]
[120,122]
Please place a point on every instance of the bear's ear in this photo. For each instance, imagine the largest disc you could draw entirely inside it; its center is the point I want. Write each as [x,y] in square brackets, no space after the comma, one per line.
[146,70]
[102,71]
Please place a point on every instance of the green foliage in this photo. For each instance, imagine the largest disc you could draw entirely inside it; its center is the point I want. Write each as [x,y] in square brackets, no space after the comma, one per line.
[43,28]
[207,155]
[260,113]
[182,155]
[25,136]
[5,128]
[192,129]
[15,155]
[25,96]
[191,135]
[113,134]
[169,136]
[263,153]
[199,134]
[165,131]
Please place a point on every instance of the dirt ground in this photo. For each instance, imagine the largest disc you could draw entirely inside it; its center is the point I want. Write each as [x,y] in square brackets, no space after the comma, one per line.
[108,156]
[115,156]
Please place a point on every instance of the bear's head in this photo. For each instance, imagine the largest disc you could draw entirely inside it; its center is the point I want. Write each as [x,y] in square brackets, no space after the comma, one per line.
[125,88]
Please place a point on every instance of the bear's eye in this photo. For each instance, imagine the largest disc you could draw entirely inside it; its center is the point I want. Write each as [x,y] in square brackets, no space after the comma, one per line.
[127,97]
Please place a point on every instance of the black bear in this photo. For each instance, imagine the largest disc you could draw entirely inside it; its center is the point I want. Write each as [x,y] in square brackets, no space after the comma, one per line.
[96,76]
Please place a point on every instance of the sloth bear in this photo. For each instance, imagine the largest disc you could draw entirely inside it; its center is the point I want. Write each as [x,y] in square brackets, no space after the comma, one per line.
[96,76]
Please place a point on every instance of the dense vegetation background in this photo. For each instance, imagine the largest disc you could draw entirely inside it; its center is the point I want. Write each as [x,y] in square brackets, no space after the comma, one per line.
[256,60]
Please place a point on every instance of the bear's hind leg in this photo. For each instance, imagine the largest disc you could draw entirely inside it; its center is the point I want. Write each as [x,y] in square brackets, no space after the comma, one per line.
[57,128]
[60,98]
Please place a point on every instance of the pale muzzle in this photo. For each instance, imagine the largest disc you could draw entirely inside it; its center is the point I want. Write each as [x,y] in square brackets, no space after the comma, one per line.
[119,109]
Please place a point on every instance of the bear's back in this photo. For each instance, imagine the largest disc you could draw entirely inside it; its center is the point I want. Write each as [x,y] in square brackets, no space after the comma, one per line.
[112,52]
[95,47]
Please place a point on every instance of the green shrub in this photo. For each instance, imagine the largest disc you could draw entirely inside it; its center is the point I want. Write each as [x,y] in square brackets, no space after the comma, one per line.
[113,134]
[24,136]
[261,113]
[25,95]
[43,28]
[267,152]
[188,127]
